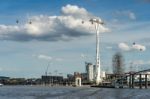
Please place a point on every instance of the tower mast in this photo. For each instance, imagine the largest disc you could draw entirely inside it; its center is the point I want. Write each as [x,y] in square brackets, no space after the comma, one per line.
[97,23]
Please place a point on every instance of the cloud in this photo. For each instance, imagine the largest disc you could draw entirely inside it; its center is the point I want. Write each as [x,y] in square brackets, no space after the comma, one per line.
[48,58]
[141,62]
[126,47]
[76,12]
[131,15]
[109,47]
[52,28]
[59,59]
[1,69]
[127,14]
[83,55]
[123,46]
[138,62]
[45,57]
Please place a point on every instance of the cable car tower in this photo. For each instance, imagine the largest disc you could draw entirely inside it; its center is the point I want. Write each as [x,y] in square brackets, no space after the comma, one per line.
[97,23]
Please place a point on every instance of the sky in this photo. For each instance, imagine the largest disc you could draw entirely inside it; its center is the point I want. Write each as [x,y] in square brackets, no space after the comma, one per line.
[35,34]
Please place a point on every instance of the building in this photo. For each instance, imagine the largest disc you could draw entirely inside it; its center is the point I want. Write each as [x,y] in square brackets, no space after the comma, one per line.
[94,71]
[90,71]
[52,79]
[84,76]
[70,77]
[77,78]
[4,80]
[103,74]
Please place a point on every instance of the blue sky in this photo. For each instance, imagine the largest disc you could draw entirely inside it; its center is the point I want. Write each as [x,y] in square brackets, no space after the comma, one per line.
[57,36]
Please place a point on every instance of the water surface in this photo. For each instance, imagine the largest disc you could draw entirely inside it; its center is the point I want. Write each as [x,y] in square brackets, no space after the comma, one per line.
[45,92]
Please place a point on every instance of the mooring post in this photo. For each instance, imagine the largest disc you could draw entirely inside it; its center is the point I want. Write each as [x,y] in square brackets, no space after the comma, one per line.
[140,81]
[127,80]
[132,80]
[146,83]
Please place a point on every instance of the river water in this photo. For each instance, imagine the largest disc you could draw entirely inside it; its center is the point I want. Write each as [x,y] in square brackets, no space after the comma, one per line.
[45,92]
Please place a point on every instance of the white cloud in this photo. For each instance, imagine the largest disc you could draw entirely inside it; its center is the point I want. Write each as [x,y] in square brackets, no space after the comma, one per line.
[126,47]
[83,55]
[52,28]
[140,62]
[129,14]
[109,47]
[75,11]
[45,57]
[48,58]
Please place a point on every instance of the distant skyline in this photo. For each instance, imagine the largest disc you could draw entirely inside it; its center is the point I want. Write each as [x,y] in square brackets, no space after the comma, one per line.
[58,37]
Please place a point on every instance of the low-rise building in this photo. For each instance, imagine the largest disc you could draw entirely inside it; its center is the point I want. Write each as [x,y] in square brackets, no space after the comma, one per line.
[52,79]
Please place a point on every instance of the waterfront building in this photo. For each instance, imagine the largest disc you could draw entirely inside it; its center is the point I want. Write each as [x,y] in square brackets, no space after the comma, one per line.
[77,77]
[103,74]
[84,76]
[3,79]
[94,71]
[90,72]
[70,76]
[52,79]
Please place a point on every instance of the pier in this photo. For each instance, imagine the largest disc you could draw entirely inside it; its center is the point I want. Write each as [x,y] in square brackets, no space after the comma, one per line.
[131,80]
[139,79]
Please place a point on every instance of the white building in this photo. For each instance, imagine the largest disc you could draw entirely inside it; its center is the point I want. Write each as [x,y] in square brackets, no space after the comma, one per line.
[77,77]
[102,73]
[77,81]
[90,71]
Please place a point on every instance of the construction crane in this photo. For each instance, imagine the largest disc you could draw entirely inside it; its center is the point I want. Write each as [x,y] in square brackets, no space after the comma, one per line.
[46,71]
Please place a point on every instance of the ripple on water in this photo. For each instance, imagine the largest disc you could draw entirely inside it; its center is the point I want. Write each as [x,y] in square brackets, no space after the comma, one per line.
[41,92]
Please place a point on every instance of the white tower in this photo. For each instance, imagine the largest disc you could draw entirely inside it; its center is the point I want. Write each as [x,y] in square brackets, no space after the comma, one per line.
[89,71]
[97,23]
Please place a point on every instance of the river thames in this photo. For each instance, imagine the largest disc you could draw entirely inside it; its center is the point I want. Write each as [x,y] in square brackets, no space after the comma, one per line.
[45,92]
